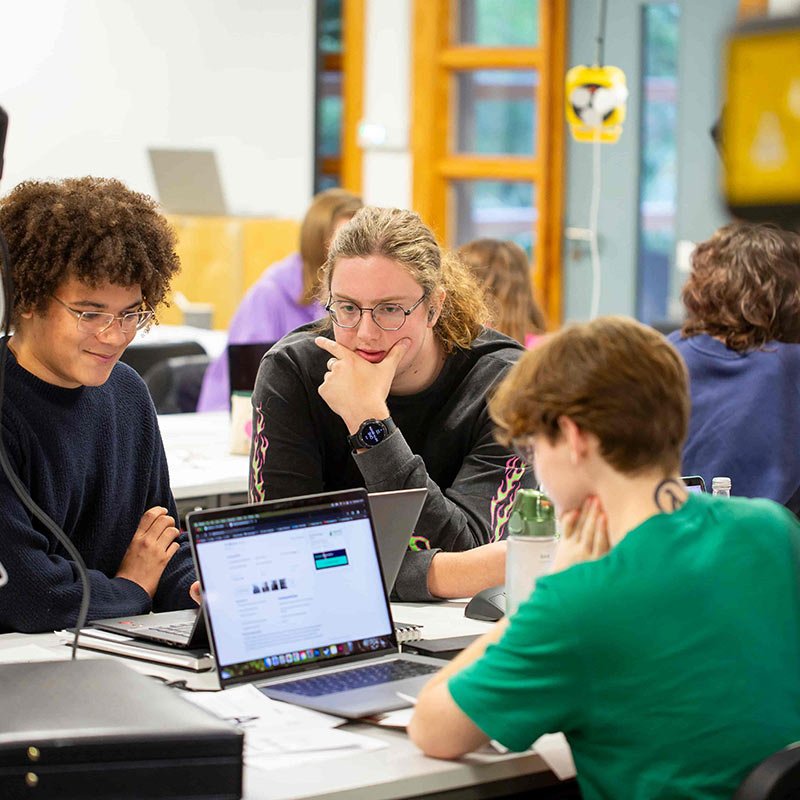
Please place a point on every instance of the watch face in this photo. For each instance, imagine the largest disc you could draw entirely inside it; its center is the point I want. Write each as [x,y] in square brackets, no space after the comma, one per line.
[372,433]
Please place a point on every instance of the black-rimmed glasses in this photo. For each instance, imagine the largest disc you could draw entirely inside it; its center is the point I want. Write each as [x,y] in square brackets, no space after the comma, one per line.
[100,321]
[387,316]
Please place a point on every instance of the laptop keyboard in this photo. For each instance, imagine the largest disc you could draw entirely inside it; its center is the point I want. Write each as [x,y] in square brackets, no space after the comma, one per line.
[175,629]
[358,678]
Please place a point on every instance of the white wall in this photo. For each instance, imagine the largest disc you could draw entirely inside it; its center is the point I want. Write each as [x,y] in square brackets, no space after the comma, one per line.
[387,167]
[89,85]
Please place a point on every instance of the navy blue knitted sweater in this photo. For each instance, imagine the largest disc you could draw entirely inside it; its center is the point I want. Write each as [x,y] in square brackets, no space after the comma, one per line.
[93,459]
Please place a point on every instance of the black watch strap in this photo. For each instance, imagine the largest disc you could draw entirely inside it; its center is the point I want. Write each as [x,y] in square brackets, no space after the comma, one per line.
[371,432]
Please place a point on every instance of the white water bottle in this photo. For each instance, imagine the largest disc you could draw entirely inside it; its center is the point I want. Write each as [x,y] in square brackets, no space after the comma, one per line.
[531,545]
[721,487]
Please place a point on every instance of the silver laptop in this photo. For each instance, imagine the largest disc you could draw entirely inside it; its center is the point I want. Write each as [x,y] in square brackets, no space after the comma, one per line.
[188,181]
[295,603]
[394,513]
[395,516]
[184,629]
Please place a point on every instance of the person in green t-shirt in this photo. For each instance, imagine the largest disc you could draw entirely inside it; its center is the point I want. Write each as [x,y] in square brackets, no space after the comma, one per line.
[666,643]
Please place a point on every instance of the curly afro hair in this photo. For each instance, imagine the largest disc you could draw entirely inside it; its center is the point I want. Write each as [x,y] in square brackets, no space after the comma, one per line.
[93,229]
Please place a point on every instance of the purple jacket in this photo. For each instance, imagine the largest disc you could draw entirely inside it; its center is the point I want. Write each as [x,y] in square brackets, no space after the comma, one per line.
[269,310]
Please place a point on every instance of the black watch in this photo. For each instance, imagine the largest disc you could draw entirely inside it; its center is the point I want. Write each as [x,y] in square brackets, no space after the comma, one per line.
[370,433]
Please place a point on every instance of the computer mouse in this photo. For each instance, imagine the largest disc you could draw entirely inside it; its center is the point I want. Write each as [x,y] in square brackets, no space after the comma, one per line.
[488,605]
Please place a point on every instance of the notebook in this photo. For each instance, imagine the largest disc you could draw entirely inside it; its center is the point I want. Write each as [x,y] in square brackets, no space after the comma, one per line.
[184,629]
[295,603]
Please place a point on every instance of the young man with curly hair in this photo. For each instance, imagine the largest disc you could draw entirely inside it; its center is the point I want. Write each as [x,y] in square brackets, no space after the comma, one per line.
[741,344]
[666,643]
[91,261]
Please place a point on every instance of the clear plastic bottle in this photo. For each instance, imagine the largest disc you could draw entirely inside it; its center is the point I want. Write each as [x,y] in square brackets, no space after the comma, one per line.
[721,487]
[531,545]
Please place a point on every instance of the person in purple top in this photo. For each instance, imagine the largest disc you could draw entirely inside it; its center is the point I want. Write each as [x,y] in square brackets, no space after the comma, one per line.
[741,344]
[284,297]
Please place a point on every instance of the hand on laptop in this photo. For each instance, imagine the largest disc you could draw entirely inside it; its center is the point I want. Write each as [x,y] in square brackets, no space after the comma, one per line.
[584,535]
[194,592]
[151,547]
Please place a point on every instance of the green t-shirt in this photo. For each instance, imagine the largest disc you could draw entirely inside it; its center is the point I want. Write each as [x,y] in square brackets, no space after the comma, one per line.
[672,664]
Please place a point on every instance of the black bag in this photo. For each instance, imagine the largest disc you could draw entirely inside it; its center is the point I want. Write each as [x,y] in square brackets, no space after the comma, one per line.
[95,728]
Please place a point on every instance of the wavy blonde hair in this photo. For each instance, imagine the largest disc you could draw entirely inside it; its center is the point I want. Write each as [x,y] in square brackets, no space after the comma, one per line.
[401,236]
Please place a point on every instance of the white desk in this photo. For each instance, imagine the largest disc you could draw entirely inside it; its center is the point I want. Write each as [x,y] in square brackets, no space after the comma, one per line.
[394,773]
[198,453]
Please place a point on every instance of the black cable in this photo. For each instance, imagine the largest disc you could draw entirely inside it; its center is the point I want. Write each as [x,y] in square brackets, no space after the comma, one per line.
[13,479]
[601,32]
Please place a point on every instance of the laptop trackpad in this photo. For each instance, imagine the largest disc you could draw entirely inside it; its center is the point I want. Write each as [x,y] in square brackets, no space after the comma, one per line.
[355,703]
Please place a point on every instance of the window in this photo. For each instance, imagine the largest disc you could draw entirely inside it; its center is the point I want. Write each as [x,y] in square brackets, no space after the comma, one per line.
[339,60]
[658,180]
[488,129]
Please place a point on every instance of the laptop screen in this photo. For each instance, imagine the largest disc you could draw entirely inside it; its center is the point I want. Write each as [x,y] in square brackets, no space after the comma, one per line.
[291,583]
[243,363]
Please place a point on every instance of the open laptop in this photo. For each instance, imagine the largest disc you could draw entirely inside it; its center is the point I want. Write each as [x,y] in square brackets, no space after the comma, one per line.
[295,603]
[185,629]
[395,514]
[188,181]
[243,363]
[694,483]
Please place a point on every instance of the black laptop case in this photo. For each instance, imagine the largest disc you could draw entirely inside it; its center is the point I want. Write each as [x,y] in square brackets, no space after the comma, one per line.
[95,728]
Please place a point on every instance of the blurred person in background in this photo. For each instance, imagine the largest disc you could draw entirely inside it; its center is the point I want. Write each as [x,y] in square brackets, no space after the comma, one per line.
[503,269]
[285,296]
[741,344]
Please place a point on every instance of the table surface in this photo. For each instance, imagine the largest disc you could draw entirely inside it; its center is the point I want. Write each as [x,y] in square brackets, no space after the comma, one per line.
[199,457]
[398,771]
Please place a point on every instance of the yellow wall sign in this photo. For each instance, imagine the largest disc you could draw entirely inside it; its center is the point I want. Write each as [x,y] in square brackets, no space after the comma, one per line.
[595,103]
[761,120]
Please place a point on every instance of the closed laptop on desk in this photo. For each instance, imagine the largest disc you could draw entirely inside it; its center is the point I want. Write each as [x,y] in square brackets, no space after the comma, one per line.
[295,601]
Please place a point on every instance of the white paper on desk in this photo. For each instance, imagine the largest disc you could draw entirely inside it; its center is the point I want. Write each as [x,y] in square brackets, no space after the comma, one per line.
[396,719]
[263,753]
[278,735]
[243,702]
[555,752]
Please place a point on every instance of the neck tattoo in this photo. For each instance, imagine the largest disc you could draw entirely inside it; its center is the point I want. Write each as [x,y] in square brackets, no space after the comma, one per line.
[669,496]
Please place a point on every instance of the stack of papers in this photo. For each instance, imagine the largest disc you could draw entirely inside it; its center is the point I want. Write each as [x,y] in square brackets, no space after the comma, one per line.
[278,735]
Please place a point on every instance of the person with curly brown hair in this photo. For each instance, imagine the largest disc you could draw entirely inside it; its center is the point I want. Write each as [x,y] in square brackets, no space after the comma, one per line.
[390,393]
[91,261]
[740,344]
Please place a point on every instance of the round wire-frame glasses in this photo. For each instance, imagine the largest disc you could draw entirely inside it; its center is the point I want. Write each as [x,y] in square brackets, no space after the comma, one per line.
[387,316]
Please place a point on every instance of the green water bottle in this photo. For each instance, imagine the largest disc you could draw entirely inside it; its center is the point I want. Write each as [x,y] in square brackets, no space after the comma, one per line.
[532,543]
